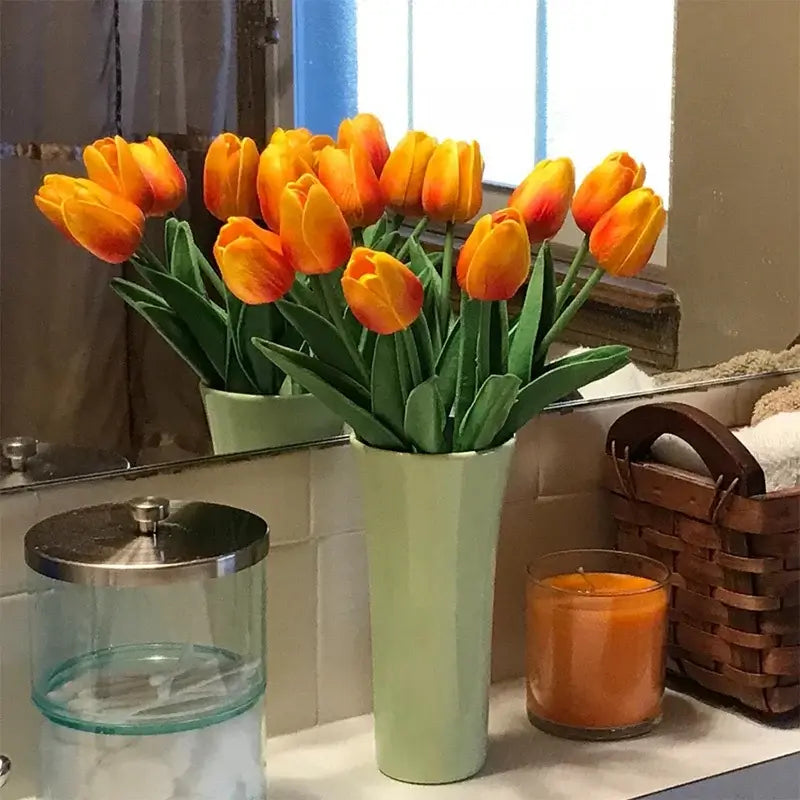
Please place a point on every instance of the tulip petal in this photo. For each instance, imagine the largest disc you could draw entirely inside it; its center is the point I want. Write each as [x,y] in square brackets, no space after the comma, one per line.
[107,234]
[325,230]
[246,196]
[52,211]
[296,250]
[440,186]
[501,263]
[479,232]
[99,170]
[215,178]
[400,286]
[253,274]
[162,173]
[369,307]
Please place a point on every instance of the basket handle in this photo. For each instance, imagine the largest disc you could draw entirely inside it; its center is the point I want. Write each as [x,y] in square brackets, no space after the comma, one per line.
[723,454]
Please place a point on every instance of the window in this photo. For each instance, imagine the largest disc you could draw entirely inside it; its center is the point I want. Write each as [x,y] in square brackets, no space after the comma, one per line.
[528,79]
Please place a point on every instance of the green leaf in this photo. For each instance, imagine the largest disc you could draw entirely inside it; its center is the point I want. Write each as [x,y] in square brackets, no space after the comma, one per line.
[447,366]
[549,312]
[366,345]
[207,323]
[559,379]
[169,326]
[262,321]
[520,356]
[387,241]
[325,382]
[483,352]
[373,233]
[183,259]
[170,232]
[237,376]
[467,352]
[426,417]
[422,338]
[498,349]
[322,336]
[132,293]
[403,370]
[387,393]
[353,327]
[422,266]
[488,414]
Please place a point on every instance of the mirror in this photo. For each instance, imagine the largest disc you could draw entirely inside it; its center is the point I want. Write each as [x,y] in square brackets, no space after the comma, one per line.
[91,380]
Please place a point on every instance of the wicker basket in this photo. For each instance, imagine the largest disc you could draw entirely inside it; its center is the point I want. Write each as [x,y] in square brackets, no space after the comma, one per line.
[734,551]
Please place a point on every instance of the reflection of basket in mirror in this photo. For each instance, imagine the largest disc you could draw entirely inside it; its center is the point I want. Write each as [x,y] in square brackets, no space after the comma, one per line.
[242,422]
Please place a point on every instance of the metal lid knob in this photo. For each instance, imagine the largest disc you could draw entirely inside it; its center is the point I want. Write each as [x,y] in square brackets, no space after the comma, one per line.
[5,768]
[149,511]
[18,449]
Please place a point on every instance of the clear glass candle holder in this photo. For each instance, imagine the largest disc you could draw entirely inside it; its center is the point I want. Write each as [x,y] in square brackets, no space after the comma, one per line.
[596,642]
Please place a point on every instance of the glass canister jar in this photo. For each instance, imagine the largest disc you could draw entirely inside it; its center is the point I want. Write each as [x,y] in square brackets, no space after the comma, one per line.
[148,647]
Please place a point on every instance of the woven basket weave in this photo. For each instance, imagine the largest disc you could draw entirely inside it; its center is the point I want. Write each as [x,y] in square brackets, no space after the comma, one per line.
[734,551]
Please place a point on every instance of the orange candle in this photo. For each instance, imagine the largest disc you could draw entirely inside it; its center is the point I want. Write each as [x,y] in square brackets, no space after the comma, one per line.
[596,624]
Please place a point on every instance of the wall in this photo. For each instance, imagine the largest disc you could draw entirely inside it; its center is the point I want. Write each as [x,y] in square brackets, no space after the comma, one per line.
[318,638]
[733,254]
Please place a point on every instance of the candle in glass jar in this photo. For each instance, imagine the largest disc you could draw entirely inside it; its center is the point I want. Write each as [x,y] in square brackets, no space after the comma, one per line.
[596,643]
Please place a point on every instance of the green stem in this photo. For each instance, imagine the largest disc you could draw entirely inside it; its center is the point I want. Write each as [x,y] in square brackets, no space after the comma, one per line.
[358,237]
[568,313]
[329,297]
[503,316]
[418,229]
[151,257]
[447,278]
[483,355]
[564,291]
[413,356]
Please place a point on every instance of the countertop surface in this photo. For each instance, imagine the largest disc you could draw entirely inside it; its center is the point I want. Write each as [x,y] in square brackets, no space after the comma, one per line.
[694,741]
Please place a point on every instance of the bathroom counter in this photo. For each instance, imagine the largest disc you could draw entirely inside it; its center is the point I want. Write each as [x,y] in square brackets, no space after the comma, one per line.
[695,741]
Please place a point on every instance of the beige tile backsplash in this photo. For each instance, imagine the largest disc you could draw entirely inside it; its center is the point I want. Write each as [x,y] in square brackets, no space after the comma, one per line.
[318,638]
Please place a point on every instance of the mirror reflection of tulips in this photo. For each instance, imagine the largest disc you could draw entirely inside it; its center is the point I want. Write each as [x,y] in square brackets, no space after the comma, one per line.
[323,278]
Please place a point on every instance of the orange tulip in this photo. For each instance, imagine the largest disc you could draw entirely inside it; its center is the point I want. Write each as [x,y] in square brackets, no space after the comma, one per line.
[496,258]
[404,172]
[543,198]
[625,236]
[384,295]
[293,137]
[605,185]
[229,177]
[106,224]
[349,177]
[166,180]
[452,190]
[110,163]
[280,164]
[365,130]
[314,234]
[252,263]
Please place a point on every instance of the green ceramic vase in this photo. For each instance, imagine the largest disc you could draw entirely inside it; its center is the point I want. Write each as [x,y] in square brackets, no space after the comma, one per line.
[242,422]
[432,525]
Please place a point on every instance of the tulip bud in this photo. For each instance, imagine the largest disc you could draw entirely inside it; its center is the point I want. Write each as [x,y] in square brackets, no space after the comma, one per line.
[452,190]
[110,163]
[543,198]
[625,236]
[496,258]
[166,180]
[229,177]
[106,224]
[314,234]
[252,263]
[404,172]
[279,165]
[349,177]
[367,131]
[383,294]
[604,186]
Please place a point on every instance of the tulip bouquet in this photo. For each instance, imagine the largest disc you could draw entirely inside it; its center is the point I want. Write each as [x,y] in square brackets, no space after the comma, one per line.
[331,293]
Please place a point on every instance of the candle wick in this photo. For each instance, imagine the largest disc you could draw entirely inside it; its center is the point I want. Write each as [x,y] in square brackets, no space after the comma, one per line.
[584,576]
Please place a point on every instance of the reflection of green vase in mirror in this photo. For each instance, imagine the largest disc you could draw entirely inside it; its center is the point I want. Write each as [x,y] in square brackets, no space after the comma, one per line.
[242,422]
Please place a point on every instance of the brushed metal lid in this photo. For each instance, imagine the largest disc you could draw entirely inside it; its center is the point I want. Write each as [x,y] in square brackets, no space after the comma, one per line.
[147,541]
[25,461]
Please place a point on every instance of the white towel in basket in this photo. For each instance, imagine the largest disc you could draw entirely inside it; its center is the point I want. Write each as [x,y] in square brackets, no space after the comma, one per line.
[774,442]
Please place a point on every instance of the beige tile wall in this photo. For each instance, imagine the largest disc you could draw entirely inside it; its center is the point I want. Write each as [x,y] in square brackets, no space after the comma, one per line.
[318,638]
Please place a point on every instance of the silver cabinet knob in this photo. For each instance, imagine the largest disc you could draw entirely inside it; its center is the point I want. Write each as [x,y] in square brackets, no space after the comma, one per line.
[18,449]
[5,768]
[149,511]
